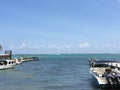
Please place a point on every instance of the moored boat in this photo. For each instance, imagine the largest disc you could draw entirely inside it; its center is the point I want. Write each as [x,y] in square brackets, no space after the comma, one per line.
[30,59]
[105,73]
[5,64]
[18,60]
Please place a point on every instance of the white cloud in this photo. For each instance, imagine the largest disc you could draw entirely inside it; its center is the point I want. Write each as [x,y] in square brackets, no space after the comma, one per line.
[24,45]
[42,46]
[107,47]
[111,46]
[115,46]
[53,46]
[36,47]
[68,46]
[11,47]
[84,45]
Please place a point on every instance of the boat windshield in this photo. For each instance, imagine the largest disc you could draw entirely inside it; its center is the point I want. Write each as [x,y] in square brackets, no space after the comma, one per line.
[104,64]
[101,65]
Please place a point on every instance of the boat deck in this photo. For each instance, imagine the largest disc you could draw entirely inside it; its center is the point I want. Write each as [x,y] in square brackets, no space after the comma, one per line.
[99,71]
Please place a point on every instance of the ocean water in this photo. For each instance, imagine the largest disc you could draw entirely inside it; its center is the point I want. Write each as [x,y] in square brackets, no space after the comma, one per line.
[52,72]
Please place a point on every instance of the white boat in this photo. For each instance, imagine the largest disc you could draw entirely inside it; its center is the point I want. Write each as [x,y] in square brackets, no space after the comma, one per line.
[25,59]
[30,59]
[5,64]
[98,69]
[18,60]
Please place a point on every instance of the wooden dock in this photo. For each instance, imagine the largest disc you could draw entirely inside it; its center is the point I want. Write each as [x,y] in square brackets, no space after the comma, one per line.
[8,56]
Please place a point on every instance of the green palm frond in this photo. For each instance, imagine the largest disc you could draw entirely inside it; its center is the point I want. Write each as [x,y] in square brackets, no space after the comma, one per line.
[0,47]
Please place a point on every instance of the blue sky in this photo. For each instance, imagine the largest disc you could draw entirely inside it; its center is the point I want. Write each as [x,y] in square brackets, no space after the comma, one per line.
[60,26]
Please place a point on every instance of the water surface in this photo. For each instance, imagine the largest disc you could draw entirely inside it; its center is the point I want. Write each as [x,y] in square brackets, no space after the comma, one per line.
[52,72]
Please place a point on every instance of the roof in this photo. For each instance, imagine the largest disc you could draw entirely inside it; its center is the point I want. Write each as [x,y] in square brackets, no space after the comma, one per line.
[105,61]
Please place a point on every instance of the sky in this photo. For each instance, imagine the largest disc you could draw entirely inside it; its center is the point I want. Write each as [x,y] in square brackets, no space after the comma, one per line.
[60,26]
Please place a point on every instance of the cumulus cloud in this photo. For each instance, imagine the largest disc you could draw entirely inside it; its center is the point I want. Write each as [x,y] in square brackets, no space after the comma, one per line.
[113,46]
[107,46]
[84,45]
[68,46]
[53,46]
[50,46]
[24,45]
[42,46]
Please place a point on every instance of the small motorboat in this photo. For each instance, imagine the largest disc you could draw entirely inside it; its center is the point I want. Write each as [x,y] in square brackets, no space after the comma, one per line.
[105,73]
[18,60]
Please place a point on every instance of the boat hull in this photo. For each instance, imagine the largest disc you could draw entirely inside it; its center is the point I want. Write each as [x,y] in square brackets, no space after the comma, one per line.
[6,67]
[5,64]
[101,84]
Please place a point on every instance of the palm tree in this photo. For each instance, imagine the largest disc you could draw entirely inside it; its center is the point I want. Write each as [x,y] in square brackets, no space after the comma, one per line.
[0,47]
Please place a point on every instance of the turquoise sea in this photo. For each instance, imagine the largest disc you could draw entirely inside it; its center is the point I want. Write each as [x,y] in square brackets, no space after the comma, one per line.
[52,72]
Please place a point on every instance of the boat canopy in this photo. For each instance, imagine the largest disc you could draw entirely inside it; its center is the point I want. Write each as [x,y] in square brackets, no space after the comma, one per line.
[103,63]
